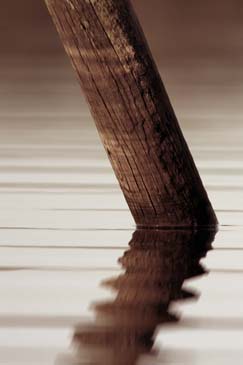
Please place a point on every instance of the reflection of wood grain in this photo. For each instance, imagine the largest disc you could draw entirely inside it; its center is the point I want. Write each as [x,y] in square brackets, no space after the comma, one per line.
[132,111]
[124,328]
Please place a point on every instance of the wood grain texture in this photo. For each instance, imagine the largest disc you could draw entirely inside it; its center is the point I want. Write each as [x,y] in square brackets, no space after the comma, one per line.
[132,111]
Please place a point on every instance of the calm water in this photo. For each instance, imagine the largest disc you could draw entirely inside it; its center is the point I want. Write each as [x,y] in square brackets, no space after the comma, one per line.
[77,284]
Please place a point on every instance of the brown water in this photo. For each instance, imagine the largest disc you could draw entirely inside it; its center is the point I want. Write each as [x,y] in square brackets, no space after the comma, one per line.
[64,222]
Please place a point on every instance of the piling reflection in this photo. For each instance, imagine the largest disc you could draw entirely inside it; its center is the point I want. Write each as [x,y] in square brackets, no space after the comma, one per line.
[156,265]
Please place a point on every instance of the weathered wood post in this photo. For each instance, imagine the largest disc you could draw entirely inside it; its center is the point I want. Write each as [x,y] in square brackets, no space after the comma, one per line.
[132,111]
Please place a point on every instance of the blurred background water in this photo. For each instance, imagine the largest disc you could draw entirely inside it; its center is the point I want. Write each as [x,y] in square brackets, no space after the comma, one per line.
[63,220]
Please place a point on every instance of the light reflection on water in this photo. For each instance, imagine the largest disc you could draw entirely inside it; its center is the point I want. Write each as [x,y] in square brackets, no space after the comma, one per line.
[156,266]
[64,223]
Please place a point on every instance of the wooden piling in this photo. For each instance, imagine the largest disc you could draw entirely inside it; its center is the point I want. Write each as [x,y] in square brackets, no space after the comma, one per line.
[132,111]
